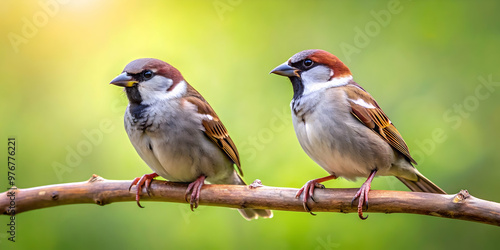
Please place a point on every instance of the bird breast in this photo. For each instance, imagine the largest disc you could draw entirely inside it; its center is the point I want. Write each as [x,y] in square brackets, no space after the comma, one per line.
[334,139]
[169,138]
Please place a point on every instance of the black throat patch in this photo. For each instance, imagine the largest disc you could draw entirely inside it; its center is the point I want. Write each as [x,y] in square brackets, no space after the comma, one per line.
[136,108]
[298,87]
[133,94]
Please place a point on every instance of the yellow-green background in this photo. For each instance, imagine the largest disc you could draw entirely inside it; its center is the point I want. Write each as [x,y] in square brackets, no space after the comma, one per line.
[419,65]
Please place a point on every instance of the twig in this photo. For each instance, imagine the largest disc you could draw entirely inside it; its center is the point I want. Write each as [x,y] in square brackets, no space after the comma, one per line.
[101,191]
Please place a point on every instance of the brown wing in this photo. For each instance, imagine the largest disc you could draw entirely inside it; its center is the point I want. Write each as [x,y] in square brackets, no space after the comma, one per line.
[371,115]
[214,129]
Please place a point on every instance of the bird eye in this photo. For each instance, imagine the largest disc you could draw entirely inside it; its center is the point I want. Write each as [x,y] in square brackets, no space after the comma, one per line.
[147,74]
[308,62]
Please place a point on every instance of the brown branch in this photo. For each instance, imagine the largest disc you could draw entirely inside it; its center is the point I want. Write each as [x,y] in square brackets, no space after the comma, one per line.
[100,191]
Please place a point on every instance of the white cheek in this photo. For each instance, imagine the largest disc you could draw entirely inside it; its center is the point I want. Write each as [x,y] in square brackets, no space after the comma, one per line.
[318,74]
[156,88]
[178,91]
[318,78]
[314,86]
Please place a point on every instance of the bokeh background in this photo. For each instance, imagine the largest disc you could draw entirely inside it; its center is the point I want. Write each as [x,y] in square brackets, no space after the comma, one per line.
[432,65]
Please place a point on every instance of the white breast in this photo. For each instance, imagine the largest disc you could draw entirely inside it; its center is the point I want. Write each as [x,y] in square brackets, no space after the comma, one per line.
[335,139]
[176,148]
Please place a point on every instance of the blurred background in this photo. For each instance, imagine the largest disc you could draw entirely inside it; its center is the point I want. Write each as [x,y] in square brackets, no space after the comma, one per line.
[433,66]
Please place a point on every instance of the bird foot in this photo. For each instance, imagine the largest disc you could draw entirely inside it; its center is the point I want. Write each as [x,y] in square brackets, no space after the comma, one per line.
[362,194]
[144,181]
[308,190]
[195,189]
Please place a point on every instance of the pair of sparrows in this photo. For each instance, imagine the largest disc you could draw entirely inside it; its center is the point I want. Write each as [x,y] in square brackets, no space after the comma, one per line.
[338,124]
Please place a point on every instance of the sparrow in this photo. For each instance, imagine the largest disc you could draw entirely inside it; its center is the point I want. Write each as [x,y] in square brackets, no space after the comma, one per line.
[176,132]
[343,129]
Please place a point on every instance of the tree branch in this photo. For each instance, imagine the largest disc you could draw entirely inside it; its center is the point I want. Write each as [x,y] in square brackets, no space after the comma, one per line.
[101,191]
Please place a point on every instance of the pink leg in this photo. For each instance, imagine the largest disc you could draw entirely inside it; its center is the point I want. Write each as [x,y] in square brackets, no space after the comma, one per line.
[195,189]
[144,181]
[362,194]
[308,190]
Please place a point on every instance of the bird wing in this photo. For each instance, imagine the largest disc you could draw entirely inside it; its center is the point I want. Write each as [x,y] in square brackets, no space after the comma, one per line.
[368,112]
[214,129]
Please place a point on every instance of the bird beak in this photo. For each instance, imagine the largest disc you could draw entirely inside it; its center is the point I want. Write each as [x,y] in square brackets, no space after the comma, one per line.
[123,80]
[285,70]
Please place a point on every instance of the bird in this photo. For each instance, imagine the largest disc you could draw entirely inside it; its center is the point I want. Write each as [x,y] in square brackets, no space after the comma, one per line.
[341,127]
[176,132]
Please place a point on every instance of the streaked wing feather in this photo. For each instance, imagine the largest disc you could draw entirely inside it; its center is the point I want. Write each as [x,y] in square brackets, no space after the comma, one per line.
[215,130]
[377,120]
[362,115]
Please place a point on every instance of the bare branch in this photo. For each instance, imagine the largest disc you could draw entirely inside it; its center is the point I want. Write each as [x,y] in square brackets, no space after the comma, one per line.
[100,191]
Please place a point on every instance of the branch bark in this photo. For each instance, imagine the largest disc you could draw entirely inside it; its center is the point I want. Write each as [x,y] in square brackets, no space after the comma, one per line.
[100,191]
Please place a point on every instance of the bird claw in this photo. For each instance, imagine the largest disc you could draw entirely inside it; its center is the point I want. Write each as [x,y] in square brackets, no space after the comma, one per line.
[195,189]
[144,181]
[308,190]
[362,194]
[306,207]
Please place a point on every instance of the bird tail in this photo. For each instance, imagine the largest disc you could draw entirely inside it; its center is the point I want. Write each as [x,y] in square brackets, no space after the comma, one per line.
[251,213]
[422,184]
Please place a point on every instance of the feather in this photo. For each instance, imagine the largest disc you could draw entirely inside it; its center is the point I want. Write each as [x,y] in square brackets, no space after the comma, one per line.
[214,129]
[368,112]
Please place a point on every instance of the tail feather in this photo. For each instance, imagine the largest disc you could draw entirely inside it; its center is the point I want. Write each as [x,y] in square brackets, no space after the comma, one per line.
[422,184]
[250,213]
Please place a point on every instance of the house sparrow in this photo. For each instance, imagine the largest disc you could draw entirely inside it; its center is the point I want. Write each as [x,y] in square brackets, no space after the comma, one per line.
[176,132]
[343,129]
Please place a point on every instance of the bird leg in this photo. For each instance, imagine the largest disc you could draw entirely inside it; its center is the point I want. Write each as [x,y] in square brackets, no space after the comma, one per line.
[362,194]
[144,181]
[308,190]
[195,188]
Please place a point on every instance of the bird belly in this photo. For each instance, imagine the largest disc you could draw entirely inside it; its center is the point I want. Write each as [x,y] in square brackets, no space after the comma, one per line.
[343,146]
[181,161]
[180,152]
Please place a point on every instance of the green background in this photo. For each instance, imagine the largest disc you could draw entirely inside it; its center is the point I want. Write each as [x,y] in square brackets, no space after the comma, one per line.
[424,61]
